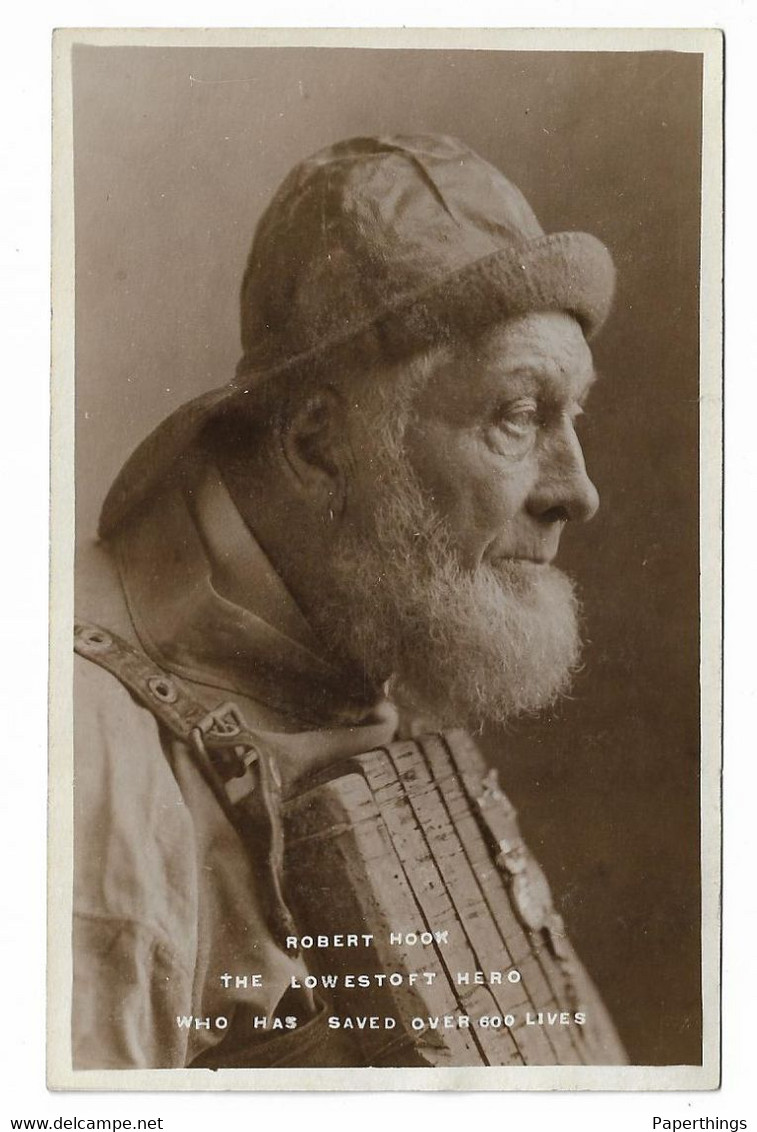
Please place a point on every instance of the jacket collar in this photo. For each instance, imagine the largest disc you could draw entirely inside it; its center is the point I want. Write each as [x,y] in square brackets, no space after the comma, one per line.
[208,605]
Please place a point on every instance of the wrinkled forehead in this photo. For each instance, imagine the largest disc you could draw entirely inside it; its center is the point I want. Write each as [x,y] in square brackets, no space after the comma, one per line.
[544,350]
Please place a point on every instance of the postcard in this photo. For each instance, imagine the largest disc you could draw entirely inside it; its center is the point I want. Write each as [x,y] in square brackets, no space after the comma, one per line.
[386,644]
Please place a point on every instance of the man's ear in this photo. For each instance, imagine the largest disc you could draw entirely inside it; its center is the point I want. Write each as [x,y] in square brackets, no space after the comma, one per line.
[314,447]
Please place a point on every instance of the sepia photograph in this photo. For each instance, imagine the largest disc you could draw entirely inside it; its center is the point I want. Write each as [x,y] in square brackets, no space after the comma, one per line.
[386,735]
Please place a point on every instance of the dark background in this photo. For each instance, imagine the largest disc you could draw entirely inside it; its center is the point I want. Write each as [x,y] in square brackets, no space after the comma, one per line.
[178,150]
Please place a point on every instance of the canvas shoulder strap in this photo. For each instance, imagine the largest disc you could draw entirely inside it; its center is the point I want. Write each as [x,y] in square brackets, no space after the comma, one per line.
[164,695]
[230,755]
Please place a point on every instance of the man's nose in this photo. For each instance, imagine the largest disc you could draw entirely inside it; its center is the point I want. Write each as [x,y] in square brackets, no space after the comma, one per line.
[563,490]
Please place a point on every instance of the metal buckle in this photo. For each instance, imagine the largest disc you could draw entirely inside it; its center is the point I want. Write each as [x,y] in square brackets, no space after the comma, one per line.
[223,724]
[228,744]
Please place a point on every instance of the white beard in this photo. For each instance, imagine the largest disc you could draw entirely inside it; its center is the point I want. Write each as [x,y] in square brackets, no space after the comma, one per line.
[466,647]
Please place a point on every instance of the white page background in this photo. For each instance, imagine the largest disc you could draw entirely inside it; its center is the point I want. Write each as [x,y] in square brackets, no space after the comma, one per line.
[24,301]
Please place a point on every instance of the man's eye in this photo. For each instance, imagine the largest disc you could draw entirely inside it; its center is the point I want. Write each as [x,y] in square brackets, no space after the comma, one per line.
[519,420]
[520,423]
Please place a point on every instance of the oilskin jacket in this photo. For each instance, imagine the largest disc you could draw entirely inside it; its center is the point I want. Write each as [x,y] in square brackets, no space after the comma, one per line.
[174,962]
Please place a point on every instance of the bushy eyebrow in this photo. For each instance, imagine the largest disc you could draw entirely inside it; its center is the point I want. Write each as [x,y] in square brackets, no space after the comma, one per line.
[531,376]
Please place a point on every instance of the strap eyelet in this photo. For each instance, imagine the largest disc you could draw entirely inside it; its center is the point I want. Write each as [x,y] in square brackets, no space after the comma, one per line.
[162,689]
[92,638]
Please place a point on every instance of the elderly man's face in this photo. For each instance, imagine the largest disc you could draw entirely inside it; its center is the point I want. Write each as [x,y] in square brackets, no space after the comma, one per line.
[493,441]
[441,569]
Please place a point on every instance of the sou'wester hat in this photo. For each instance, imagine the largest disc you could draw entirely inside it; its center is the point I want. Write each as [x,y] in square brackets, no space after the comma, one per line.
[414,239]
